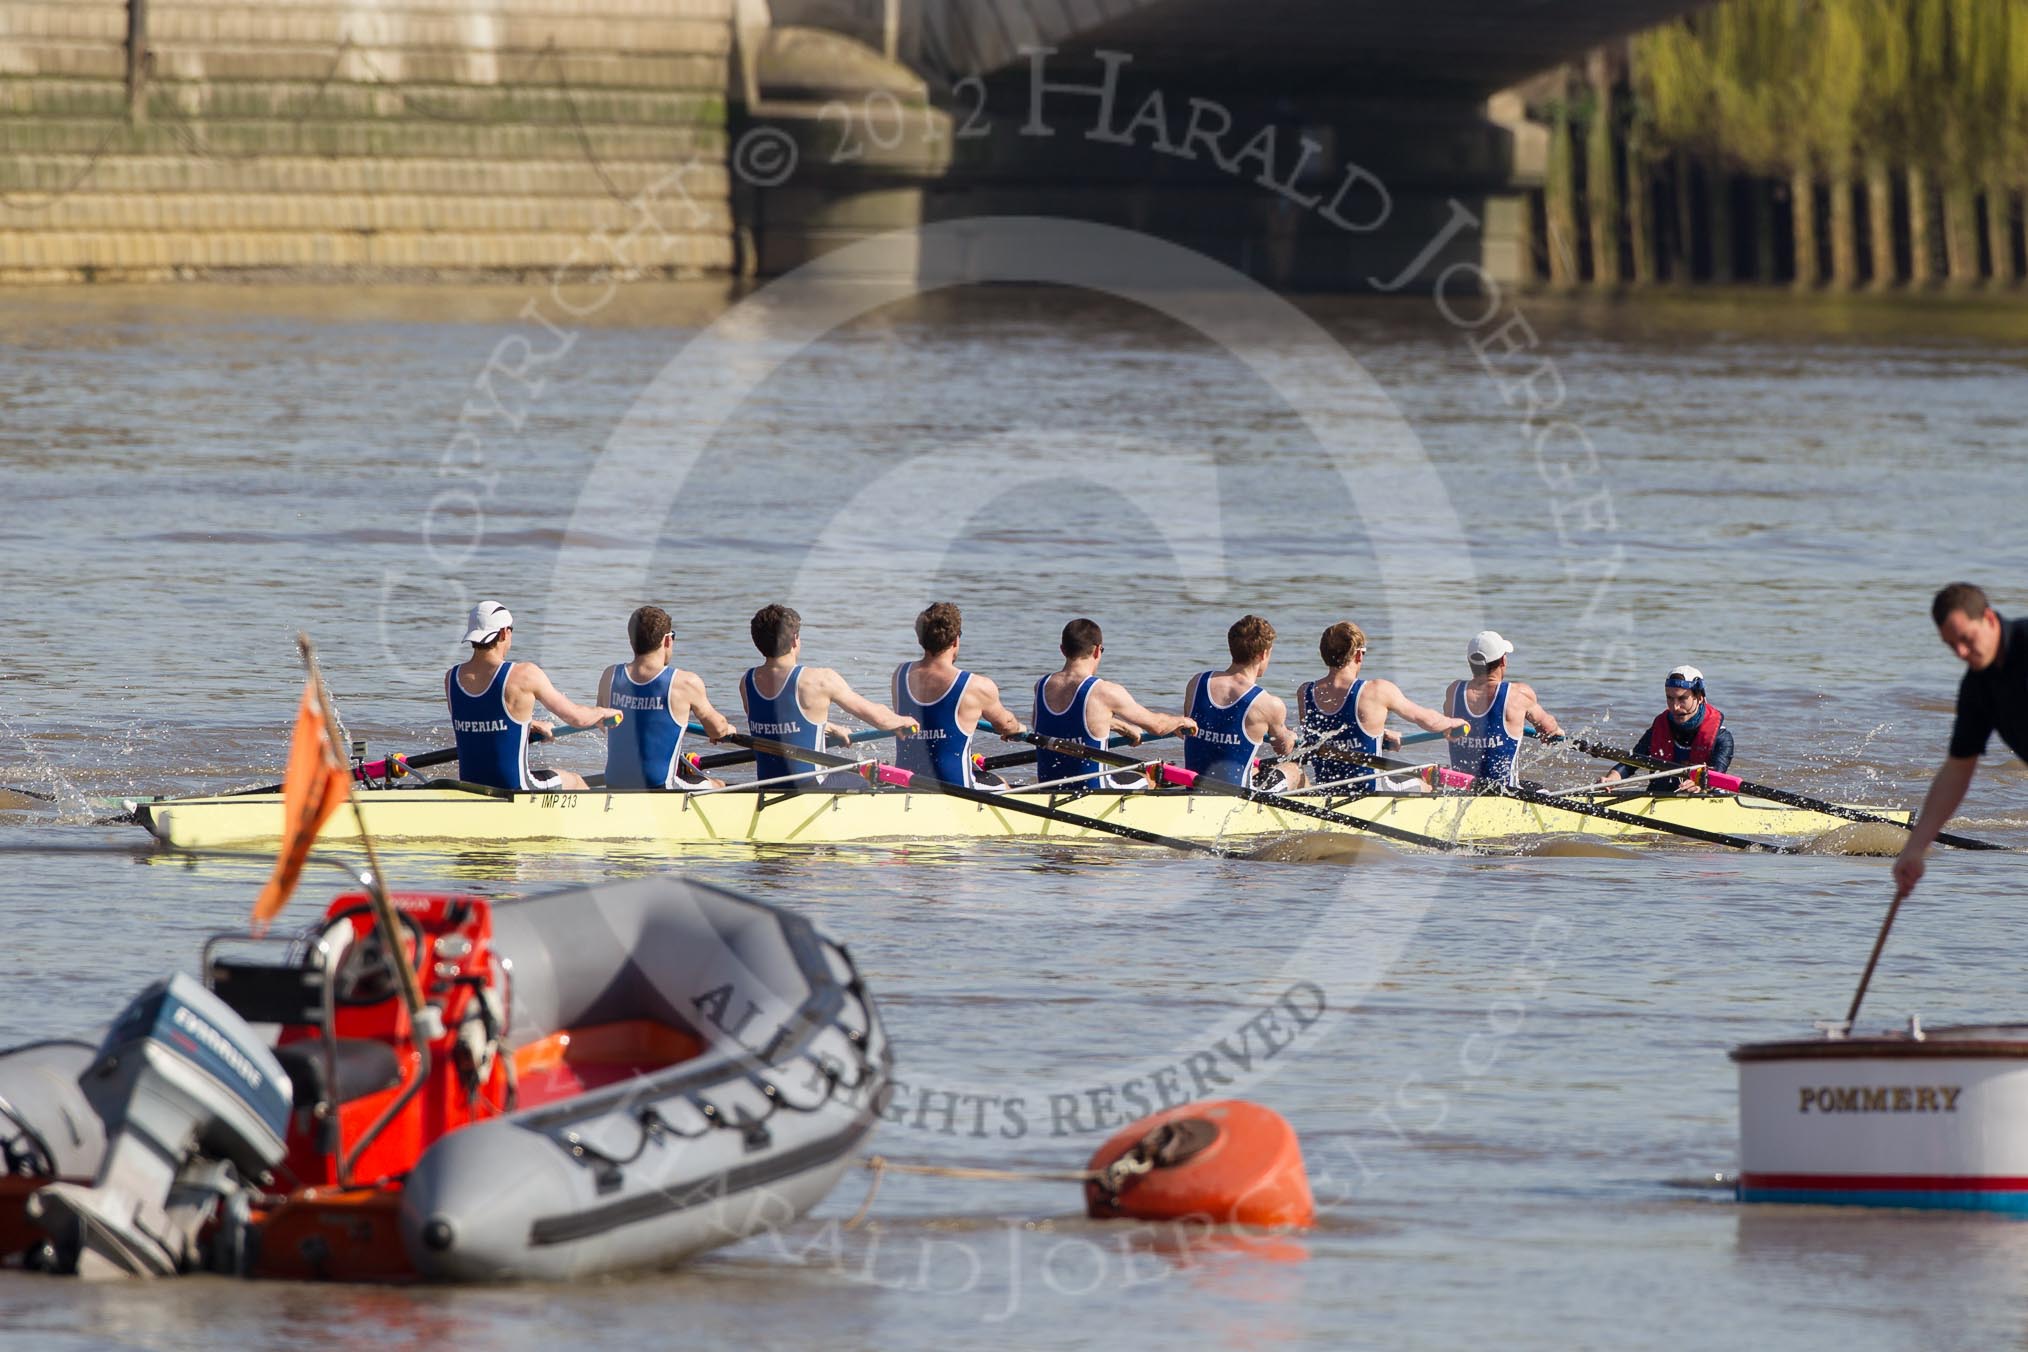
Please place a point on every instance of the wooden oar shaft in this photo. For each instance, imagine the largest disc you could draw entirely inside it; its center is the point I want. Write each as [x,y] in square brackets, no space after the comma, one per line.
[925,783]
[1774,795]
[1873,959]
[1013,758]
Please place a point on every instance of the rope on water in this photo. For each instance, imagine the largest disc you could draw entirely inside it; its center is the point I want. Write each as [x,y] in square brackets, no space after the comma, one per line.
[880,1166]
[880,1163]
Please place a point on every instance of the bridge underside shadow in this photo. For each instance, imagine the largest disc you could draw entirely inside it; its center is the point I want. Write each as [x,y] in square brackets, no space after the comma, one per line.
[1469,47]
[1310,145]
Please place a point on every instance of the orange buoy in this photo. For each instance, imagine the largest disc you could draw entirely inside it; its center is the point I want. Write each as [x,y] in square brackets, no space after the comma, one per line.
[1228,1160]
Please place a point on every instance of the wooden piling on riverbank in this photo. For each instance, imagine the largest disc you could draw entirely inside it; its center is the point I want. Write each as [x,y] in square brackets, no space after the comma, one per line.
[1836,144]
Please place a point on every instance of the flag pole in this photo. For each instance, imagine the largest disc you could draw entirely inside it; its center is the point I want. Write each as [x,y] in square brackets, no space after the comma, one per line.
[383,908]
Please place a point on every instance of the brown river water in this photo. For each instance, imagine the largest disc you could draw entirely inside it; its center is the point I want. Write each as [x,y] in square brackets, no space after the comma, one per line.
[1515,1103]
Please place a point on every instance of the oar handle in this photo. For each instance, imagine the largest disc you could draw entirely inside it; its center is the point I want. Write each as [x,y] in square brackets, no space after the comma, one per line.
[1013,758]
[1416,737]
[1063,746]
[724,758]
[397,765]
[1181,778]
[900,778]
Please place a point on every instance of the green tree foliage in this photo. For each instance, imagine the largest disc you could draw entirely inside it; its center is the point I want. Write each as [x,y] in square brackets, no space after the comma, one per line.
[1807,90]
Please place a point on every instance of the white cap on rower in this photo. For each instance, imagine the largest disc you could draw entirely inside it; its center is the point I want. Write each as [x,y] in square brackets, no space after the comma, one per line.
[1685,676]
[1487,647]
[487,619]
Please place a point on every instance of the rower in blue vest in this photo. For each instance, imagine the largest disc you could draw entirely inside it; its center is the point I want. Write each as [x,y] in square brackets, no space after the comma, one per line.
[659,700]
[1235,716]
[1076,706]
[492,702]
[1500,712]
[945,702]
[789,702]
[1690,731]
[1344,709]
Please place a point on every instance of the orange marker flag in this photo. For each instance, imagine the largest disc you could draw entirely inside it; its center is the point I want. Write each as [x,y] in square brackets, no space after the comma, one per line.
[311,791]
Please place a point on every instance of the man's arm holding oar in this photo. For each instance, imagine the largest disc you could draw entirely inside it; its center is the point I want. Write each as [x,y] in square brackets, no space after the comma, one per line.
[1946,791]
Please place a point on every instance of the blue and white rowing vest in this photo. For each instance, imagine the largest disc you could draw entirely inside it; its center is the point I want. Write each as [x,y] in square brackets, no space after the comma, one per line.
[942,749]
[1316,723]
[492,747]
[780,719]
[1488,751]
[1220,747]
[643,751]
[1069,726]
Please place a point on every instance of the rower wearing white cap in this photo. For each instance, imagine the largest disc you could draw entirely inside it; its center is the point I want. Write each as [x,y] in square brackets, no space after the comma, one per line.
[493,708]
[1691,731]
[1499,711]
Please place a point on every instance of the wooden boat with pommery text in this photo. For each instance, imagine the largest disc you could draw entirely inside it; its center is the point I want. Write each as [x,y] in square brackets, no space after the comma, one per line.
[1929,1118]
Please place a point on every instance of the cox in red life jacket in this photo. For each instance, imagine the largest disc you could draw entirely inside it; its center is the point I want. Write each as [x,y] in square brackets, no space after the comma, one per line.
[1709,741]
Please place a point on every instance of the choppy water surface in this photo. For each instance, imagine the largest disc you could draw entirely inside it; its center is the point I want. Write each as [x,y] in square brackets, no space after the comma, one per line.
[1518,1098]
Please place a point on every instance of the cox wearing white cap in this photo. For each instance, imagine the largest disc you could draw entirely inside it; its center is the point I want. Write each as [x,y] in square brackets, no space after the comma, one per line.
[492,701]
[1691,731]
[1499,711]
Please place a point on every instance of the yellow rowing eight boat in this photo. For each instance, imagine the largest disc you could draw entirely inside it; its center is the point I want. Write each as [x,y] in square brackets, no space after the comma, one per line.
[676,819]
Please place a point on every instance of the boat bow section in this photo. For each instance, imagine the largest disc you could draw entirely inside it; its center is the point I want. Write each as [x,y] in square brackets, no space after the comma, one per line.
[649,1163]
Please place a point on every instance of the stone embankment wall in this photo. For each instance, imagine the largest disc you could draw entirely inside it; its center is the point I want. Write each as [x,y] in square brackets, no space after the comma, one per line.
[379,137]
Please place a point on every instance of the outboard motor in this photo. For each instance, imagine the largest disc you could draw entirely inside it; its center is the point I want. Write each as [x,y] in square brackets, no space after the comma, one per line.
[193,1103]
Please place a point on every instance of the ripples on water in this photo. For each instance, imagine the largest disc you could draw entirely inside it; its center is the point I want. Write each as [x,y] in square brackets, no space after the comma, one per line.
[1515,1109]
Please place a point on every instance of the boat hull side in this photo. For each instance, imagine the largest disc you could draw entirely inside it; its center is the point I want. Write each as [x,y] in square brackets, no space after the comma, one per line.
[577,820]
[742,1139]
[1940,1130]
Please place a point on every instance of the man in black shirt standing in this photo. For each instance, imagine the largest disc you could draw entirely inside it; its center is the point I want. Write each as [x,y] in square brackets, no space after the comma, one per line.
[1993,697]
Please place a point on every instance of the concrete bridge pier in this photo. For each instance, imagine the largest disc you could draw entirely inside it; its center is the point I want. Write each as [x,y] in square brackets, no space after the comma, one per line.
[832,142]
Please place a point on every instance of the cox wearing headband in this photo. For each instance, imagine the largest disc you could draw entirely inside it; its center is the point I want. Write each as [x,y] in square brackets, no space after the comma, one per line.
[1690,731]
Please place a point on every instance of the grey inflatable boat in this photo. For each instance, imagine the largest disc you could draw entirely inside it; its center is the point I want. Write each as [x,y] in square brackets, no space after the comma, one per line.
[602,1079]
